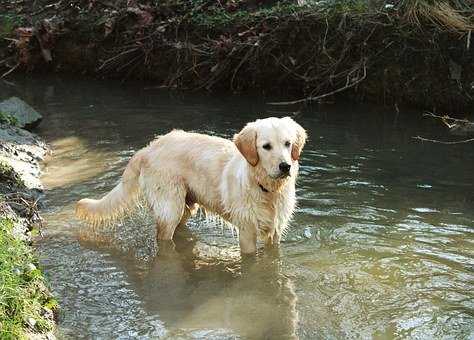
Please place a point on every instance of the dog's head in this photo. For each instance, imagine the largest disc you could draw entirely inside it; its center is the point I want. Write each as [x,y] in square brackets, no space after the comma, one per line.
[273,144]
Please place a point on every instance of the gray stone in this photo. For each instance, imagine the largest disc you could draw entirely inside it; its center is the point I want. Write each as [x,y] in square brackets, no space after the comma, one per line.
[22,150]
[31,322]
[26,116]
[30,267]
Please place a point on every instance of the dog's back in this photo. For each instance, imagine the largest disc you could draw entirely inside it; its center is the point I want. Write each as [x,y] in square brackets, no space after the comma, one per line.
[195,159]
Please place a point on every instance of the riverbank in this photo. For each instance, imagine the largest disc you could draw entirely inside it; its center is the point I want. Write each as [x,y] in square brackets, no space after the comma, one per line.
[416,53]
[26,305]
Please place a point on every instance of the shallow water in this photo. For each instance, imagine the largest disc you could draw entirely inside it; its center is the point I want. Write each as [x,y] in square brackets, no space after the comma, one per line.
[382,244]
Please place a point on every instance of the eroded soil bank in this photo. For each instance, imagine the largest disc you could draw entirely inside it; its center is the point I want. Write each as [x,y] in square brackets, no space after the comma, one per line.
[26,305]
[399,52]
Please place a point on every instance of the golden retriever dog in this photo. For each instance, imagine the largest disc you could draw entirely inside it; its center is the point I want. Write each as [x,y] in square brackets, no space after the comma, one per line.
[249,182]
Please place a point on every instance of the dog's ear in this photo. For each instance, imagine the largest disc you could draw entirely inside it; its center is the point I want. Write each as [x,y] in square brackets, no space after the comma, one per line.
[300,141]
[246,142]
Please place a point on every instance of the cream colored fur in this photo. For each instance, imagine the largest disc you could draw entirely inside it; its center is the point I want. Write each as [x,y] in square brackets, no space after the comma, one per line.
[181,170]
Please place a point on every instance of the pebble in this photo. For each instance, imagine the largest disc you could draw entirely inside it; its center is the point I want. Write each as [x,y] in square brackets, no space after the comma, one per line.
[30,267]
[307,232]
[47,313]
[31,322]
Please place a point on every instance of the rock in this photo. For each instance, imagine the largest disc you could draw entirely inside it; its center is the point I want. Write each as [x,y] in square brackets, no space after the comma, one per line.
[25,115]
[307,232]
[31,322]
[30,267]
[47,313]
[294,238]
[22,150]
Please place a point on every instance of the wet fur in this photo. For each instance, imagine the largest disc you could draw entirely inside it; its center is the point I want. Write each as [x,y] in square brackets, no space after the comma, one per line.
[181,171]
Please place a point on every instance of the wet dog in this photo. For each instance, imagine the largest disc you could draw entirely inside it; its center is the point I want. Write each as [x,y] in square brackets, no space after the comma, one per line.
[249,182]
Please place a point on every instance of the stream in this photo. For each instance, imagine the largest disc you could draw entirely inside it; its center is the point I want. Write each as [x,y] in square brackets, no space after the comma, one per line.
[381,246]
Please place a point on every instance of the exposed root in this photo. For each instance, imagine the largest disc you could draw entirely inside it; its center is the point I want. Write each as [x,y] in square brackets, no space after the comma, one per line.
[388,54]
[464,141]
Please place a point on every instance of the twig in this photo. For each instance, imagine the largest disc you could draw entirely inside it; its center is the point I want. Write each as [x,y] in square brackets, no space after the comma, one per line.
[106,64]
[45,8]
[443,142]
[310,99]
[302,77]
[431,114]
[10,71]
[452,123]
[244,59]
[468,40]
[6,60]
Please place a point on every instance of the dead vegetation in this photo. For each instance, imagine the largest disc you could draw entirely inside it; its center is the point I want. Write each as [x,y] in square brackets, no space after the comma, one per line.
[15,196]
[456,127]
[407,51]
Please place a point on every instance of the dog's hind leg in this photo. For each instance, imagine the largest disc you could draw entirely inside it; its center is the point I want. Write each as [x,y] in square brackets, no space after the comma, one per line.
[167,202]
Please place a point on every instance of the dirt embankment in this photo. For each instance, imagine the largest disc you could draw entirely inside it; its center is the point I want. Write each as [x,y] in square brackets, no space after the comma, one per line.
[419,53]
[26,305]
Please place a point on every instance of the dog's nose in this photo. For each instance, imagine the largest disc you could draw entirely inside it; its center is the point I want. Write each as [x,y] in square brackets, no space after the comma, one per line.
[284,167]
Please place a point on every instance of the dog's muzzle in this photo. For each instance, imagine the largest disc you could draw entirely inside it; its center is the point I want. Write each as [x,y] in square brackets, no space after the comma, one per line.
[284,169]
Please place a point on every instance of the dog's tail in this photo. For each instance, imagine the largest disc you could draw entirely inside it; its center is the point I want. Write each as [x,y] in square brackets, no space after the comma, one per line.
[120,200]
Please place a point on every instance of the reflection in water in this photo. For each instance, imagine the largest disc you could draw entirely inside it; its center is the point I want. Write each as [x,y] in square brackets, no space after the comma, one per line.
[74,168]
[382,245]
[192,284]
[251,297]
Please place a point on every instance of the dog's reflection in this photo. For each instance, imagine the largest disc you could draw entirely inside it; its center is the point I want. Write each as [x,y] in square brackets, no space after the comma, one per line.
[191,287]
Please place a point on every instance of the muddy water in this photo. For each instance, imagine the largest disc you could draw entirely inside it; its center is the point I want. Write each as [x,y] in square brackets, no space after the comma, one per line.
[382,244]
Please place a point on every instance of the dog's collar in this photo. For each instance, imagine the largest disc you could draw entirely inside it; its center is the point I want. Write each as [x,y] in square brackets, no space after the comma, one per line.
[263,188]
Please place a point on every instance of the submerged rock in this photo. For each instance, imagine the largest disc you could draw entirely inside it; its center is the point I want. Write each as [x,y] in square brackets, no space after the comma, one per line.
[25,116]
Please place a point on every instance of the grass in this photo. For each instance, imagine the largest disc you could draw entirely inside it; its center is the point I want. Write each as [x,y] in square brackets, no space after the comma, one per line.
[455,15]
[24,300]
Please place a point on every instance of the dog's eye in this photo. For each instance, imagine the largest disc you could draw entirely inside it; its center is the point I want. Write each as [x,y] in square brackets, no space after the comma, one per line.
[287,144]
[267,146]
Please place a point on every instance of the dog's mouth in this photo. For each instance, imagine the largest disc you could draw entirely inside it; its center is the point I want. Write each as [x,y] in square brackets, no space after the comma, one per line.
[281,175]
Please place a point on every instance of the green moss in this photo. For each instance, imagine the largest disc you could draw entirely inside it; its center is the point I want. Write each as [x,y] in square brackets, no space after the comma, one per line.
[5,118]
[8,23]
[24,300]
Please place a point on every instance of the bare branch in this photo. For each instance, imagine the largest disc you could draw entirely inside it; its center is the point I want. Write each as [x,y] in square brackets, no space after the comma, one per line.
[310,99]
[9,71]
[431,114]
[422,139]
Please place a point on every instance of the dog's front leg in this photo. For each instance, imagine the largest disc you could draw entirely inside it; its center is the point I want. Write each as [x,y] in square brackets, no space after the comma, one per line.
[272,239]
[248,239]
